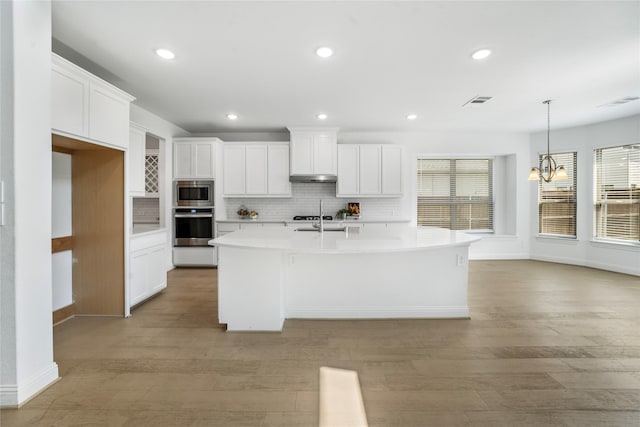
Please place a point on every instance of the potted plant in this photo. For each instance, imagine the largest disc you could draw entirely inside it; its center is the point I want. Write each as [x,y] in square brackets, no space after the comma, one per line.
[343,213]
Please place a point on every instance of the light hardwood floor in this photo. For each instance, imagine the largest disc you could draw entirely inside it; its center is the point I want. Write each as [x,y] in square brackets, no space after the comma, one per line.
[547,345]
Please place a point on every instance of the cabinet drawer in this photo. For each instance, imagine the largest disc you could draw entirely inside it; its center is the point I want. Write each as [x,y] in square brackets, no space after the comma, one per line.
[227,227]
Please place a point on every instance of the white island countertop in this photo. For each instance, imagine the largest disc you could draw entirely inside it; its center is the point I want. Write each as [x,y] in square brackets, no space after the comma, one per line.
[338,242]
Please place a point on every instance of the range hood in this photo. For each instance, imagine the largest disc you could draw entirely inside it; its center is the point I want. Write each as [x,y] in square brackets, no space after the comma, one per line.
[313,178]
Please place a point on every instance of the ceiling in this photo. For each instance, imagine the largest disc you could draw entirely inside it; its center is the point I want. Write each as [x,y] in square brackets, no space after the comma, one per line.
[257,59]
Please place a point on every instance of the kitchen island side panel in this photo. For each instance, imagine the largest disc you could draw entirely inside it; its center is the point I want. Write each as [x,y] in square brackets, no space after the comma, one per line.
[250,289]
[420,284]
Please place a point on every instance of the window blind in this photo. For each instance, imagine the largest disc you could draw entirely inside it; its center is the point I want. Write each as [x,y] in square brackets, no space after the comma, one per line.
[455,193]
[557,200]
[617,198]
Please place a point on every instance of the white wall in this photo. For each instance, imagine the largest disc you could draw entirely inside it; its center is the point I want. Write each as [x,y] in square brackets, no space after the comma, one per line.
[166,131]
[583,250]
[26,338]
[61,225]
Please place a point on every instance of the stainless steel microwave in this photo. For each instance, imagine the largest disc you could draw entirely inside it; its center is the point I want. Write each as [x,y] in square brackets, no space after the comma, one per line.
[193,193]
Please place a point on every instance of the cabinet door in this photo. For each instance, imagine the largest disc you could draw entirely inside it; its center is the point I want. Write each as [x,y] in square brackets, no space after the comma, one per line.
[369,169]
[302,152]
[69,98]
[324,153]
[255,169]
[156,270]
[204,162]
[233,170]
[109,117]
[138,274]
[182,160]
[278,170]
[391,170]
[136,161]
[375,226]
[347,170]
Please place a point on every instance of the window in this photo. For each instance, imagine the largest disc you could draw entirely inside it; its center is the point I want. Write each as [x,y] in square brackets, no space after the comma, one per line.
[617,193]
[557,200]
[455,193]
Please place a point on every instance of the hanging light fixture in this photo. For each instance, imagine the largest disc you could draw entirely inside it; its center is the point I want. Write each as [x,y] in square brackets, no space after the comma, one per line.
[548,169]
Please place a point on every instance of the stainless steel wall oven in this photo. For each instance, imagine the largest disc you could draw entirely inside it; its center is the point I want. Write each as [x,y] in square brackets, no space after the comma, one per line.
[193,226]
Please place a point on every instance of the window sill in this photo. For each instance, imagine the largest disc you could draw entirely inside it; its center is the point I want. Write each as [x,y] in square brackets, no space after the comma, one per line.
[610,244]
[550,238]
[557,237]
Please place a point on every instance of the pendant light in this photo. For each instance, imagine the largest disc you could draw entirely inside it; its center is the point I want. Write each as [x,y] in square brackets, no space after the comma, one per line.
[548,170]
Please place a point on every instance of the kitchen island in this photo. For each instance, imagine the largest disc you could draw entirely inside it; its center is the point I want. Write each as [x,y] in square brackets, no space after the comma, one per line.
[266,276]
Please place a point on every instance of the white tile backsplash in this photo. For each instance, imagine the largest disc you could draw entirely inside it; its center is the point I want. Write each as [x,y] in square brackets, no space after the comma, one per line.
[306,200]
[146,210]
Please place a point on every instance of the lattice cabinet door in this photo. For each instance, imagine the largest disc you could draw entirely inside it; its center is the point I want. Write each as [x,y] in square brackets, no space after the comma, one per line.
[151,174]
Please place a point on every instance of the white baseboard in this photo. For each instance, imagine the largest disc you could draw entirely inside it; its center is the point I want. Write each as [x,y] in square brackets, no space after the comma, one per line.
[592,264]
[499,256]
[559,260]
[14,395]
[613,267]
[451,312]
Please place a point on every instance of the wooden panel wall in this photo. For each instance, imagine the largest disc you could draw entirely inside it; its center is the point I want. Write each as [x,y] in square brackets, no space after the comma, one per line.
[98,231]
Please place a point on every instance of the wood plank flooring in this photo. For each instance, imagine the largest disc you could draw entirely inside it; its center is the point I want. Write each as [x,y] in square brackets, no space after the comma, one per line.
[547,345]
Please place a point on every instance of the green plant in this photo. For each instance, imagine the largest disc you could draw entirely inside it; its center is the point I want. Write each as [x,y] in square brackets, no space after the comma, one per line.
[342,212]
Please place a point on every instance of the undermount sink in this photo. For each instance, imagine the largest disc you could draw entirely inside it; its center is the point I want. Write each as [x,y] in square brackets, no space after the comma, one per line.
[317,230]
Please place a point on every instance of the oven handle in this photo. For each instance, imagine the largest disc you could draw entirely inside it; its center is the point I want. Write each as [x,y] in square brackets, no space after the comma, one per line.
[193,215]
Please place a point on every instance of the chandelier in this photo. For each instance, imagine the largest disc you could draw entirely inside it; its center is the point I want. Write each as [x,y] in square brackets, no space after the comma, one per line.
[548,170]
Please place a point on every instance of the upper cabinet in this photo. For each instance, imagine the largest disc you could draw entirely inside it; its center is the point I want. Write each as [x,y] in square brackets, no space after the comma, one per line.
[369,170]
[136,162]
[314,151]
[194,158]
[87,107]
[256,169]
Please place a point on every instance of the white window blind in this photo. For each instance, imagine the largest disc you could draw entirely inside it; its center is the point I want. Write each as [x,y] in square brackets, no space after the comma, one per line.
[455,193]
[617,204]
[557,200]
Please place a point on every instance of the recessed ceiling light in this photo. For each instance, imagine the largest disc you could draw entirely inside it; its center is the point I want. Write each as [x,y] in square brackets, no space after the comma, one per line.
[322,116]
[232,116]
[324,52]
[412,117]
[165,53]
[481,54]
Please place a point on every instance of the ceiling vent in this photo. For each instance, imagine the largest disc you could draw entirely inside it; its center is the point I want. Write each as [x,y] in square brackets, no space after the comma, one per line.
[620,101]
[477,100]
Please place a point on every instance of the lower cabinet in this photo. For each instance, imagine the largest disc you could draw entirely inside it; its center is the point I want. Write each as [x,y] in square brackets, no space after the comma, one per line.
[147,268]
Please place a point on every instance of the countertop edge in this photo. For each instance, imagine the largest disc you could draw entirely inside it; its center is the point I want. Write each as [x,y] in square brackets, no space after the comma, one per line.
[360,250]
[133,235]
[290,221]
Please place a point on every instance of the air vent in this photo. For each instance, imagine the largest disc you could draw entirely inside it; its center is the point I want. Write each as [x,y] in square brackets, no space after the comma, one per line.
[477,100]
[620,101]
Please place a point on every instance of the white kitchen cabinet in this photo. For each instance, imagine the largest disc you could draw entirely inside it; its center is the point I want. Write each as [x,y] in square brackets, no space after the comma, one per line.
[313,151]
[369,170]
[256,170]
[108,116]
[348,178]
[233,169]
[87,107]
[229,227]
[147,266]
[136,160]
[278,183]
[69,99]
[391,163]
[194,158]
